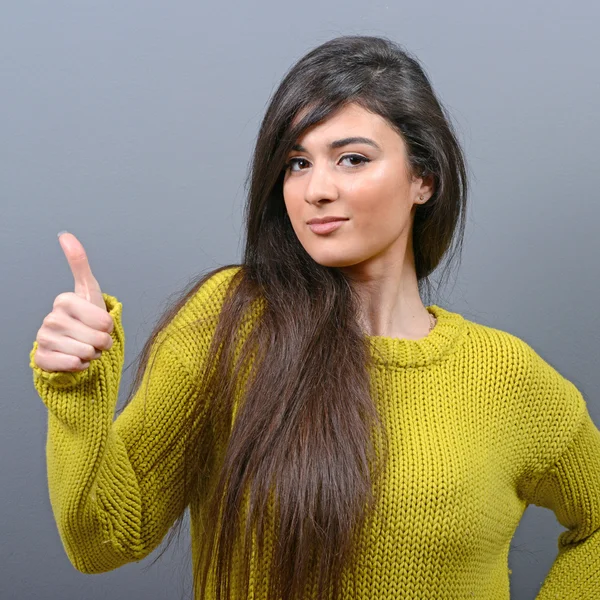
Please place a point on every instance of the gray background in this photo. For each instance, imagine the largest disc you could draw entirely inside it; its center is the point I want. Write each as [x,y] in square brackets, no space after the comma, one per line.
[131,125]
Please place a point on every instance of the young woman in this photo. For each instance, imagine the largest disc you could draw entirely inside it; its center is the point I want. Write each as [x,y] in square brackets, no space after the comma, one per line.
[332,435]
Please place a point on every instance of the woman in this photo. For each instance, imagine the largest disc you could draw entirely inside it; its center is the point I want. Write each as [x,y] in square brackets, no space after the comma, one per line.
[331,434]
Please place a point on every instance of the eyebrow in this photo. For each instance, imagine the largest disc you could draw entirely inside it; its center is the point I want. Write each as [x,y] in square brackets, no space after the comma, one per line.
[343,142]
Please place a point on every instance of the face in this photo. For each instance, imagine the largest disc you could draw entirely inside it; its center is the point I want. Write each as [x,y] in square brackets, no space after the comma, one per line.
[367,183]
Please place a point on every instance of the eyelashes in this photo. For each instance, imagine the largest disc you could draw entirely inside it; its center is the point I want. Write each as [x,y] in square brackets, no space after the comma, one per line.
[295,161]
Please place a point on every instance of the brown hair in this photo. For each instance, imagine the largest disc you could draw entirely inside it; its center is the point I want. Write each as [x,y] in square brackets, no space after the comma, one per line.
[307,433]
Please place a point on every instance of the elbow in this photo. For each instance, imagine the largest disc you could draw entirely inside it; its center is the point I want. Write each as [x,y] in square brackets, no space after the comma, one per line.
[101,561]
[91,555]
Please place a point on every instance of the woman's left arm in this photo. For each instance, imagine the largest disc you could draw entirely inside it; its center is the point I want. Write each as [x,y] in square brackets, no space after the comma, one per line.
[571,489]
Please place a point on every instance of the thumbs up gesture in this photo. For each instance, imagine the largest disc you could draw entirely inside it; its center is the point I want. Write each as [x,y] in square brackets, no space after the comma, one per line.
[78,328]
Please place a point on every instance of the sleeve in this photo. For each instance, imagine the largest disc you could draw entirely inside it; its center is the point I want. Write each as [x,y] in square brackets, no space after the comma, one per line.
[568,484]
[112,500]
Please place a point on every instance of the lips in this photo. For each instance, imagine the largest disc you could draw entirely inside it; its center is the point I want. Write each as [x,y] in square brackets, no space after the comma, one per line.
[322,228]
[325,220]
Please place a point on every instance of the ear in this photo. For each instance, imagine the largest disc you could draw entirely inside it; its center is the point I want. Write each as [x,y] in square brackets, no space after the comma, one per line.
[426,189]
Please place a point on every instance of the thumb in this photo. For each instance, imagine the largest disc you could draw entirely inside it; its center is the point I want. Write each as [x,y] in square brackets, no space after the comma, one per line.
[86,285]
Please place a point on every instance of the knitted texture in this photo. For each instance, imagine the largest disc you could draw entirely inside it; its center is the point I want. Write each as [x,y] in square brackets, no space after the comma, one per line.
[479,425]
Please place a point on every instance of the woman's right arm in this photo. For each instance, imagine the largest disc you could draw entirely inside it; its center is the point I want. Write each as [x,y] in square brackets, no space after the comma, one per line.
[112,501]
[114,492]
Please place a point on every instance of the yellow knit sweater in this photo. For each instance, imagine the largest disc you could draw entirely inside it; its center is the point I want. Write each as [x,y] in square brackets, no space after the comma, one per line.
[479,424]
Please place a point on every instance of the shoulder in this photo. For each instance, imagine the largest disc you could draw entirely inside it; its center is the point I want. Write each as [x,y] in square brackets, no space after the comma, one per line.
[509,348]
[516,362]
[542,395]
[502,353]
[194,315]
[208,293]
[211,293]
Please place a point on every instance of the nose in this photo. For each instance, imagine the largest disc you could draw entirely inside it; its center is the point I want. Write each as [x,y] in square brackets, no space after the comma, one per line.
[321,185]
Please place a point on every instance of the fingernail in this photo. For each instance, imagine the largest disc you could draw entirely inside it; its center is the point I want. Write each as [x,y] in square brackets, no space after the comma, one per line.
[61,232]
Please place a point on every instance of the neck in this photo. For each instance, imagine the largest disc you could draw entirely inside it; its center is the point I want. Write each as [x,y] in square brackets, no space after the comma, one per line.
[411,321]
[391,305]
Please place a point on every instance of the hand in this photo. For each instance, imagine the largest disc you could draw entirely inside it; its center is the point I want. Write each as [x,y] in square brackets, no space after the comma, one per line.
[78,328]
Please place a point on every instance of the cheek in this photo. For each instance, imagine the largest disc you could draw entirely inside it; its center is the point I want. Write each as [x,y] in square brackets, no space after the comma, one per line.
[378,194]
[292,198]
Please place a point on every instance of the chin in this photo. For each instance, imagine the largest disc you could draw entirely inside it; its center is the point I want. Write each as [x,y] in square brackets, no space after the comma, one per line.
[335,261]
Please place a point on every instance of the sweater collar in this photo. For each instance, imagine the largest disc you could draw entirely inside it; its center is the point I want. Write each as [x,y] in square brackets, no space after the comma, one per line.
[443,340]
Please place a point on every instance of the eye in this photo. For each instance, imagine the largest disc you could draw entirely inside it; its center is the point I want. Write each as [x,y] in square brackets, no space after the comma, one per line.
[293,161]
[355,157]
[361,159]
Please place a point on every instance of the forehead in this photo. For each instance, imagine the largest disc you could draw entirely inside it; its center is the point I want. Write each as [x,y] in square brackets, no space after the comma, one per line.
[350,119]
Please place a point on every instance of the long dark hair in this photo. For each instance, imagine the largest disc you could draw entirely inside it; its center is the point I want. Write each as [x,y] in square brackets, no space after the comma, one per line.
[302,456]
